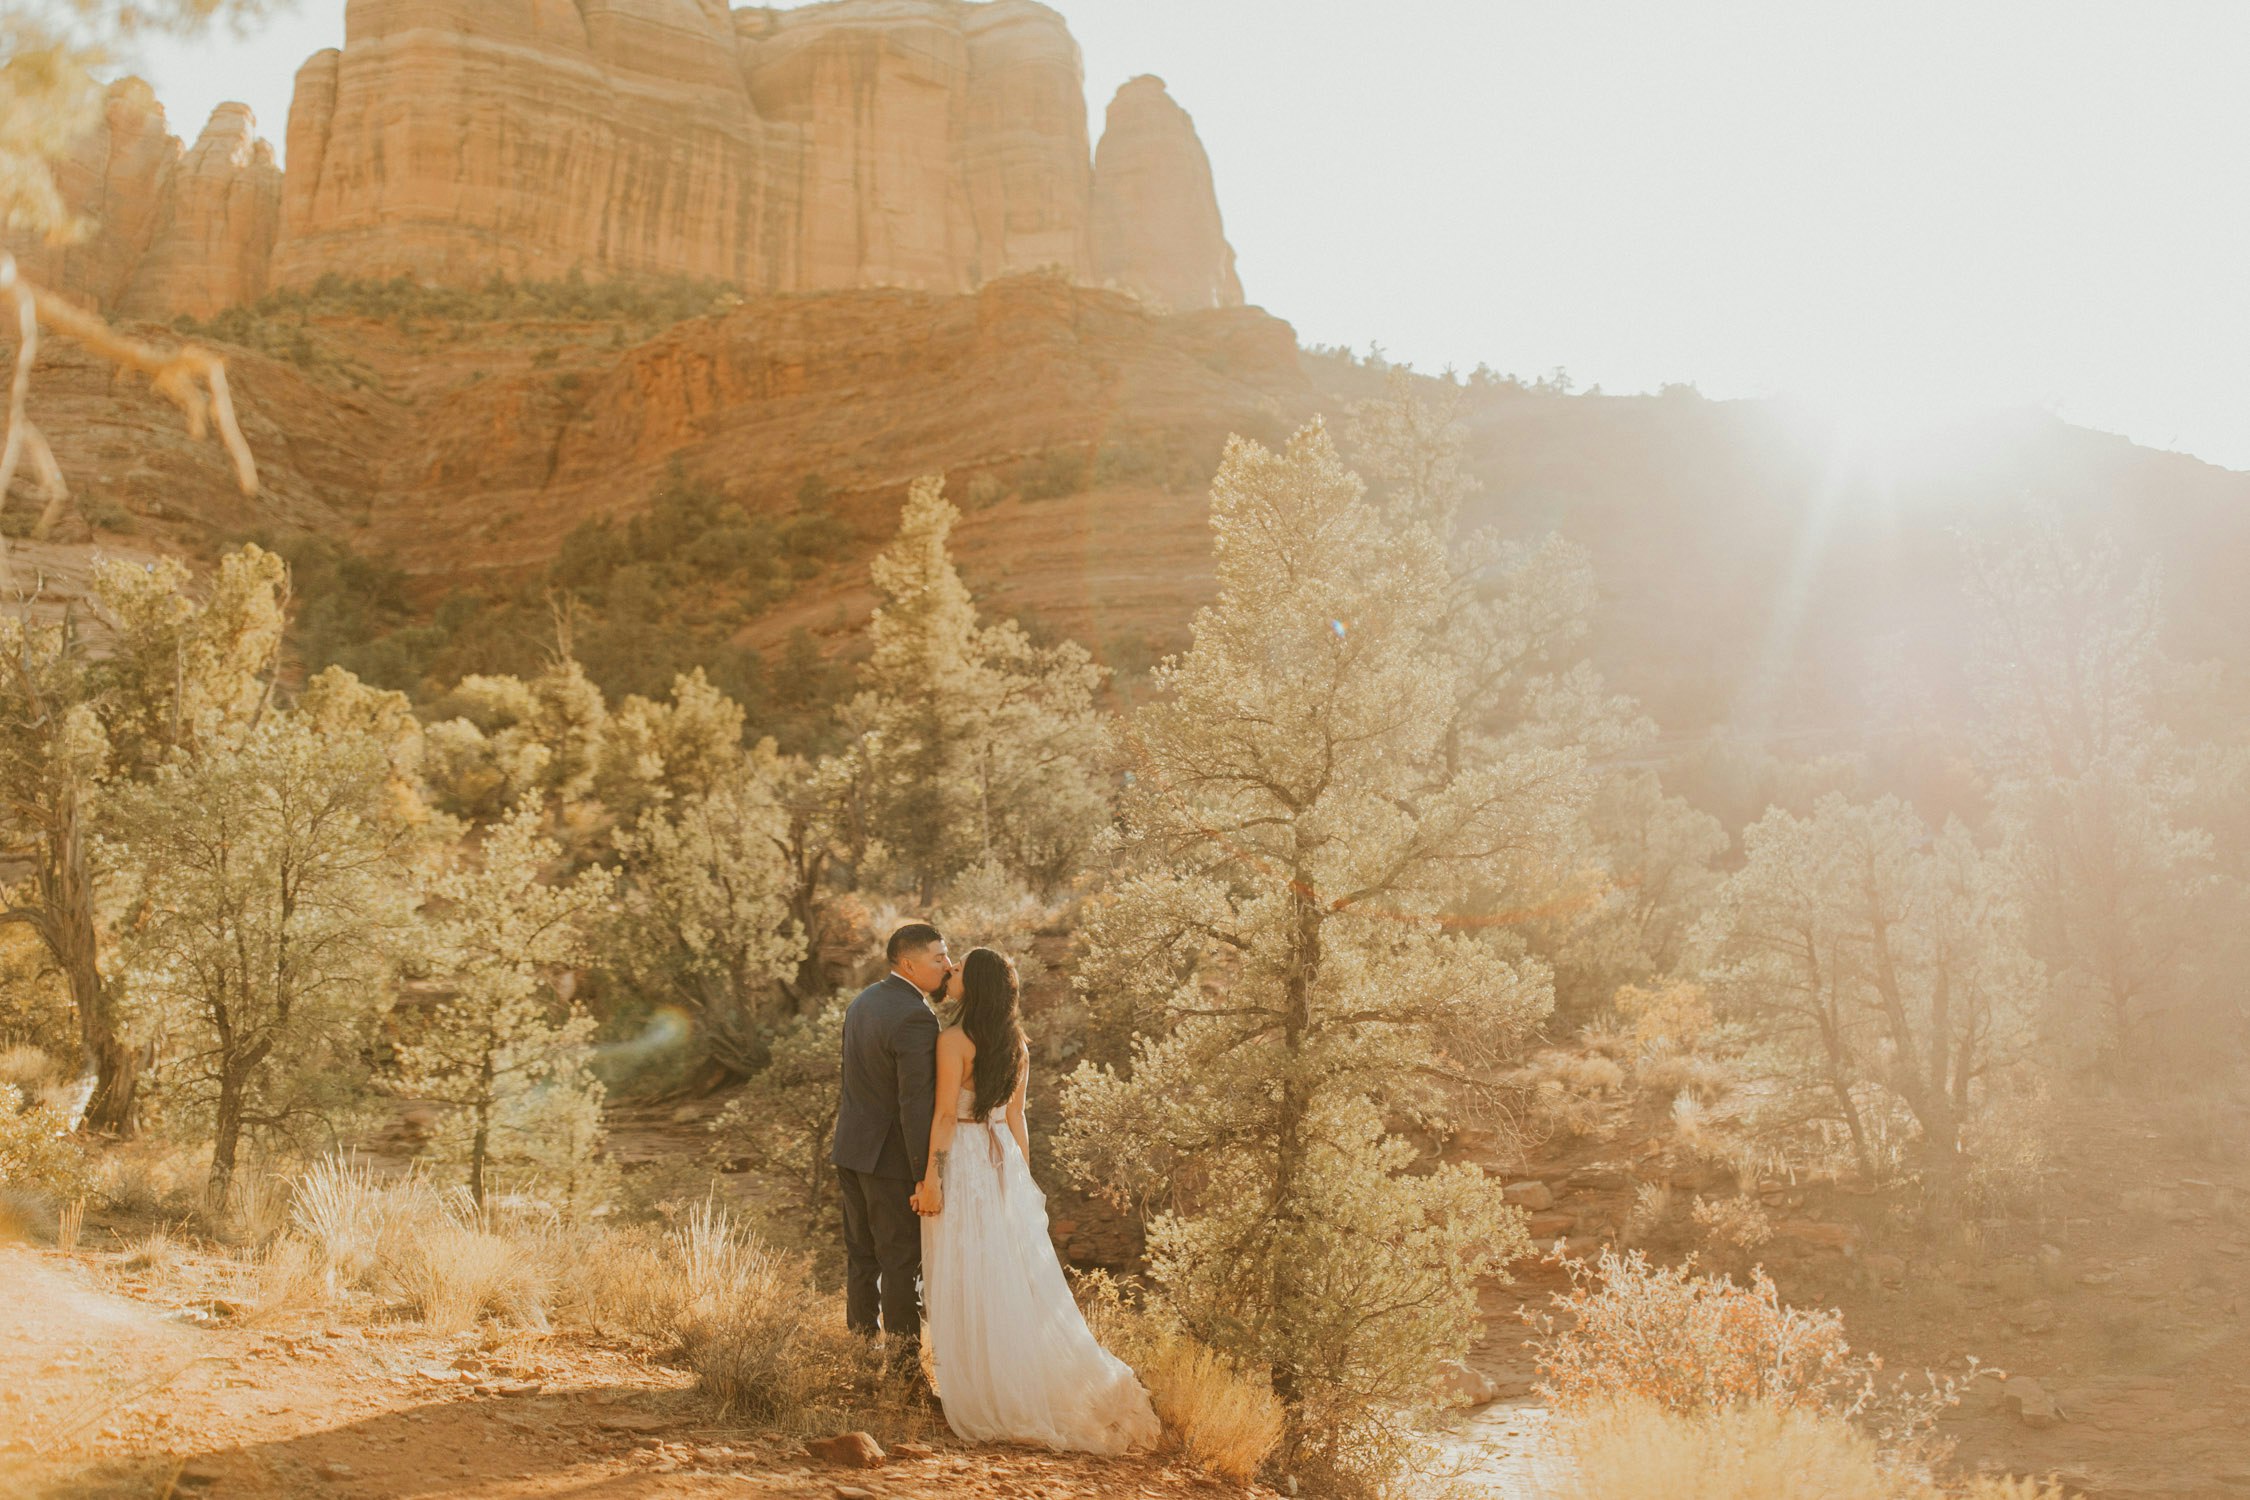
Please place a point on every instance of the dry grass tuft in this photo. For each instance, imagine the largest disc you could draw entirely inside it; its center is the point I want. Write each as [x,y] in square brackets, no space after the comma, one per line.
[153,1255]
[341,1208]
[29,1069]
[1642,1452]
[261,1208]
[761,1340]
[1589,1075]
[291,1277]
[450,1272]
[1227,1421]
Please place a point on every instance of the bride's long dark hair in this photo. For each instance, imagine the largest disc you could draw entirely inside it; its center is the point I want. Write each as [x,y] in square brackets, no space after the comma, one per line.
[989,1018]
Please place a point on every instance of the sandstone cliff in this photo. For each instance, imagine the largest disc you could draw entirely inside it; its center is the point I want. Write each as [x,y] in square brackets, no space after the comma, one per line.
[212,246]
[1156,214]
[924,144]
[169,230]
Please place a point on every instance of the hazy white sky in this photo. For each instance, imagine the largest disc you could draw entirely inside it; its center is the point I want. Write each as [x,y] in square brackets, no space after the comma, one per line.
[1897,205]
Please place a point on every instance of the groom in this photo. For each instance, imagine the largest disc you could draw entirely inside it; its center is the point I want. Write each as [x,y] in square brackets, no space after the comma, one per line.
[883,1140]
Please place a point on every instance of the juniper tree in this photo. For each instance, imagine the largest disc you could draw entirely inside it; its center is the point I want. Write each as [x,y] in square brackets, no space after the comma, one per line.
[1882,970]
[504,1047]
[96,699]
[270,889]
[972,741]
[702,920]
[2095,794]
[1337,798]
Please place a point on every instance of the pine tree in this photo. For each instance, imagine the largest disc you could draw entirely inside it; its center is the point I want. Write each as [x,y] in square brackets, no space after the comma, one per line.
[1319,804]
[504,1048]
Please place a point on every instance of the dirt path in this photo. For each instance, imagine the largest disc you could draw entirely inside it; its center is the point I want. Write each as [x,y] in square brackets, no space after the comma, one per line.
[104,1394]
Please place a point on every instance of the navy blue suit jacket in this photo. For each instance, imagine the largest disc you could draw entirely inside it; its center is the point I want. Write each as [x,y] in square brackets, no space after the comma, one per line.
[890,1082]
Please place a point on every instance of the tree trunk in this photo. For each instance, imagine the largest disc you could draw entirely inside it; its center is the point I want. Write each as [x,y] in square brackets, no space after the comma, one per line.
[226,1136]
[481,1142]
[68,896]
[1304,972]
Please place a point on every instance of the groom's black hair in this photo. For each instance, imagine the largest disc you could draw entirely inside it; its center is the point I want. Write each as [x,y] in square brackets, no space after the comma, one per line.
[910,937]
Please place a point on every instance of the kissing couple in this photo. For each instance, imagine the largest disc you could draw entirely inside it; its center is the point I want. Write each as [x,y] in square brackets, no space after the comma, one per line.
[942,1219]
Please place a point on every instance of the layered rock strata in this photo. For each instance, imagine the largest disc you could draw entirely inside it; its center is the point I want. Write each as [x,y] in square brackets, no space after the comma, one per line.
[926,144]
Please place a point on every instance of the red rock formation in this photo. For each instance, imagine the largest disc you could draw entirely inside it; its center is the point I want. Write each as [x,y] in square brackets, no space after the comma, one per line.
[451,139]
[167,232]
[925,144]
[116,181]
[1156,216]
[213,242]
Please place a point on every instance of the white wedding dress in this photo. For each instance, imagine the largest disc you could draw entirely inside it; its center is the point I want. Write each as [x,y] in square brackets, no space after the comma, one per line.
[1014,1359]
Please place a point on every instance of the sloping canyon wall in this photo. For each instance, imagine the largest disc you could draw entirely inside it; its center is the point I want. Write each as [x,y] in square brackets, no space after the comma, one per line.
[926,144]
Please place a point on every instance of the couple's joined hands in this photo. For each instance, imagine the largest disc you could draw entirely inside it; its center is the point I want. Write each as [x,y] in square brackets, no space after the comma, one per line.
[928,1200]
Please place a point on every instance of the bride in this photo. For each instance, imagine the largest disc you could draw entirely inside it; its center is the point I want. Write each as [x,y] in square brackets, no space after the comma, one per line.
[1014,1359]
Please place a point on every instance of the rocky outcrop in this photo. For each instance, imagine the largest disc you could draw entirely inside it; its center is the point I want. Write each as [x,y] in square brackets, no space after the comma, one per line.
[114,180]
[214,236]
[920,143]
[166,230]
[931,145]
[452,139]
[1156,215]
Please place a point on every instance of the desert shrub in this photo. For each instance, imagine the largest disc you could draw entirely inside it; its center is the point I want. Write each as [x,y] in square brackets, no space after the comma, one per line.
[28,1070]
[1736,1226]
[1226,1419]
[761,1340]
[1555,1111]
[1691,1343]
[1593,1076]
[1604,1039]
[38,1155]
[1671,1019]
[784,1120]
[1694,1345]
[1670,1075]
[1052,474]
[1642,1451]
[145,1178]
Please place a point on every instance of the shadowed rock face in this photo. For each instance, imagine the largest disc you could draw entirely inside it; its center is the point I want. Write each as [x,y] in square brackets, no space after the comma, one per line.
[1156,215]
[924,144]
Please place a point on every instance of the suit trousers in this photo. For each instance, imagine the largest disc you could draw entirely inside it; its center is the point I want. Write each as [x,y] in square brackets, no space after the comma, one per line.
[883,1260]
